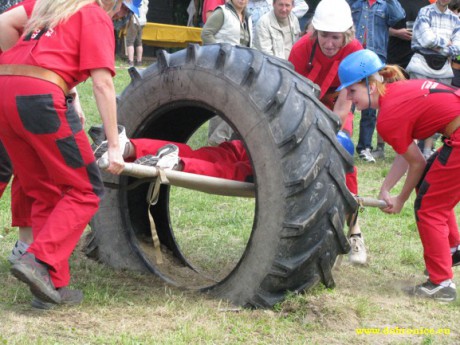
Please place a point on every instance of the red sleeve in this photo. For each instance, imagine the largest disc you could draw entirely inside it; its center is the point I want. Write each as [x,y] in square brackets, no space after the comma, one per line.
[300,54]
[97,46]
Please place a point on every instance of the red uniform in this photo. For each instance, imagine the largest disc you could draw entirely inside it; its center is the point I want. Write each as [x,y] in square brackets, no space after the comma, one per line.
[228,160]
[427,112]
[5,164]
[43,135]
[309,61]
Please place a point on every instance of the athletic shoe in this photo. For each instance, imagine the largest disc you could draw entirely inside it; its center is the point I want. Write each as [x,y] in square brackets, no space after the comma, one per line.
[101,149]
[366,156]
[433,291]
[357,255]
[68,296]
[166,158]
[379,153]
[19,250]
[35,274]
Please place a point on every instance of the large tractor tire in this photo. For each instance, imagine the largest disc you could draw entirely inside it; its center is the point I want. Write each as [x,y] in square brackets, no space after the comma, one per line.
[301,199]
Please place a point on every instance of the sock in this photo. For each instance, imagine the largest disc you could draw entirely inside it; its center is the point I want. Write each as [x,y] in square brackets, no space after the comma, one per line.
[454,249]
[447,283]
[129,150]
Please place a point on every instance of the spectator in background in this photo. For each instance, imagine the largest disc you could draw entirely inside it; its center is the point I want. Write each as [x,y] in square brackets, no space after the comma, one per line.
[277,30]
[372,19]
[399,50]
[134,31]
[454,6]
[436,38]
[257,8]
[229,23]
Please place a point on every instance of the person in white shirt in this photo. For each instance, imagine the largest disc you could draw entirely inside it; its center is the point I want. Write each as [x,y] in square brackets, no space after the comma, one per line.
[277,30]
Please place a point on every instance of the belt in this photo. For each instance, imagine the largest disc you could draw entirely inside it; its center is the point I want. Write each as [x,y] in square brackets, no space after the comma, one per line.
[451,127]
[35,72]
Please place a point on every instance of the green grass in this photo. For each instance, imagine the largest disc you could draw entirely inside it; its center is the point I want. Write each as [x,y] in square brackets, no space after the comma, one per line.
[123,307]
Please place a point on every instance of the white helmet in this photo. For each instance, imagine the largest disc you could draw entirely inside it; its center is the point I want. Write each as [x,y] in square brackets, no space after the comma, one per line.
[332,16]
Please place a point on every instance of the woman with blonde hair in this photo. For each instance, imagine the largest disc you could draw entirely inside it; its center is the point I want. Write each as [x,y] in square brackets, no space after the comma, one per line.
[317,55]
[44,137]
[410,110]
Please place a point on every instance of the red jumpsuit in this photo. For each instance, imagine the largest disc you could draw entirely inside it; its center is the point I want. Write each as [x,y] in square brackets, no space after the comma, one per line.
[42,133]
[20,203]
[228,160]
[309,61]
[426,113]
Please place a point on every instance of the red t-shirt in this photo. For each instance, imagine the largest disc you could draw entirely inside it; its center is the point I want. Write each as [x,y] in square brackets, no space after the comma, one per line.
[321,66]
[210,5]
[84,42]
[409,111]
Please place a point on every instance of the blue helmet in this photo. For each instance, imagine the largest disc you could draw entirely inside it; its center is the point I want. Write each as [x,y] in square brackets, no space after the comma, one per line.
[133,6]
[346,142]
[357,66]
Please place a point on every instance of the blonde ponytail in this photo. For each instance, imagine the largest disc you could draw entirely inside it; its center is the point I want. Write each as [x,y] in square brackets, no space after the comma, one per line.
[389,74]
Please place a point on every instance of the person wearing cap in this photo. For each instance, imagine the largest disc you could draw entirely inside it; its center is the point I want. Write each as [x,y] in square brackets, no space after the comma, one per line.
[317,56]
[411,110]
[43,134]
[277,30]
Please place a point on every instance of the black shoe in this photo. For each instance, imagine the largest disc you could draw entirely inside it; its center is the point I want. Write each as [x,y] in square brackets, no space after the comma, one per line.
[97,134]
[68,296]
[433,291]
[456,258]
[35,274]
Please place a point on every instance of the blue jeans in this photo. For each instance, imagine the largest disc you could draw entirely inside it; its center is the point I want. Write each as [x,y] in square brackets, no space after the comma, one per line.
[366,129]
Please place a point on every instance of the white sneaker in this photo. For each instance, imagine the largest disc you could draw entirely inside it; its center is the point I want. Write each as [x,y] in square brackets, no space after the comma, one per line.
[379,153]
[101,150]
[366,156]
[19,250]
[166,158]
[357,255]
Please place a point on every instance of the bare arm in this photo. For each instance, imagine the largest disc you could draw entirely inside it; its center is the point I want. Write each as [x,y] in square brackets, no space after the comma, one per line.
[11,25]
[104,92]
[342,106]
[413,159]
[402,33]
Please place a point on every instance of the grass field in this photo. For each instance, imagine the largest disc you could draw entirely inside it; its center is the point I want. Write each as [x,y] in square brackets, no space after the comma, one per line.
[366,307]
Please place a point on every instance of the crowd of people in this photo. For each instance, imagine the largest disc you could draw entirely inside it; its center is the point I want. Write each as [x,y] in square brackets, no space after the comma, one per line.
[396,63]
